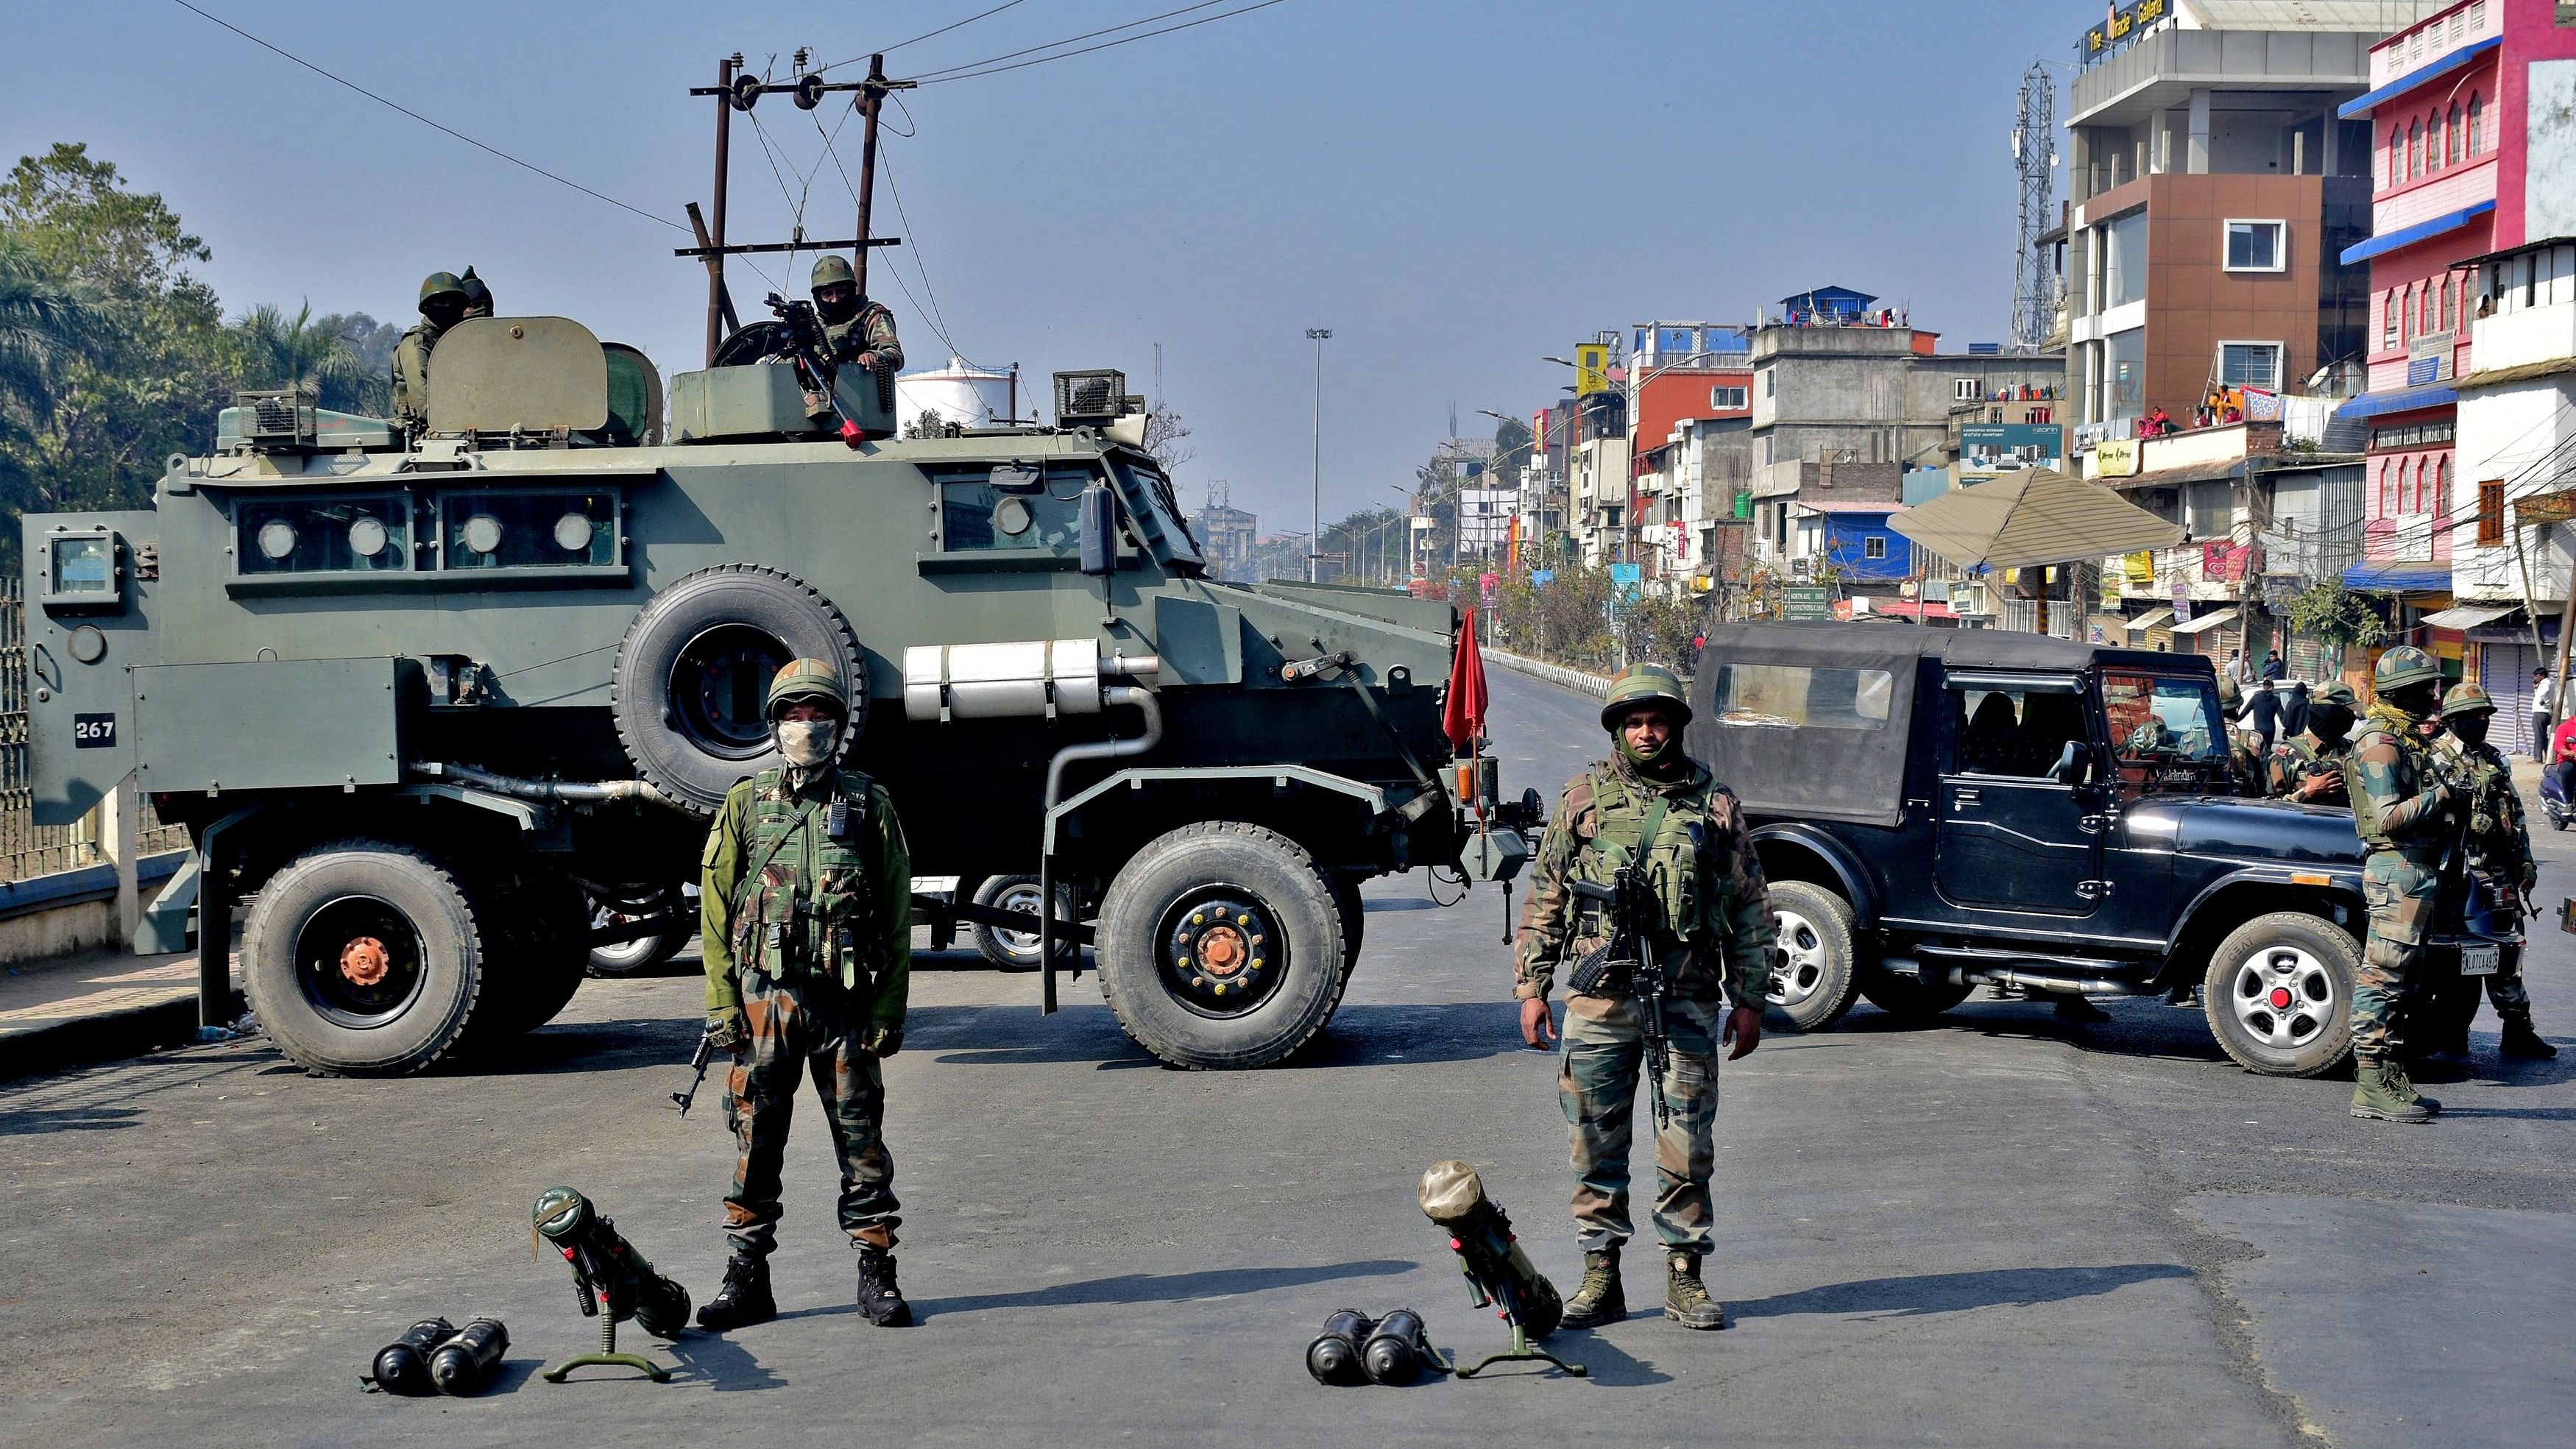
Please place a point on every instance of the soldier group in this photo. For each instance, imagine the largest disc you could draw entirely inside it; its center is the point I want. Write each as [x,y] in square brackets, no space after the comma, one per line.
[860,331]
[2443,826]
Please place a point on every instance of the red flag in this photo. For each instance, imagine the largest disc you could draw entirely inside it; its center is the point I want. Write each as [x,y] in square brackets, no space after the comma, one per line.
[1462,719]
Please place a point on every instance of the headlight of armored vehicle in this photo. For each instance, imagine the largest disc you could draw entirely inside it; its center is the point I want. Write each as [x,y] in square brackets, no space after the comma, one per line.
[303,535]
[485,530]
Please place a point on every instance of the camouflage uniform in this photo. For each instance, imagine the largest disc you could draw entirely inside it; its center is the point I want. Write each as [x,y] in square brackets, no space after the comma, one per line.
[816,951]
[872,330]
[2295,758]
[411,354]
[1716,950]
[2404,815]
[2499,850]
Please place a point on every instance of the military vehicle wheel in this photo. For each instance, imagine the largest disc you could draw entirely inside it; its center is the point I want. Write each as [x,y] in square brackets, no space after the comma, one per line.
[1346,899]
[692,671]
[634,958]
[363,959]
[2279,994]
[538,936]
[1018,950]
[1220,945]
[1820,981]
[1910,997]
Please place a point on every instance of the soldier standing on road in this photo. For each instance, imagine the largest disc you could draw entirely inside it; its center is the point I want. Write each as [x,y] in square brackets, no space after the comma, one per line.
[2404,812]
[808,936]
[859,330]
[2309,768]
[1652,805]
[442,305]
[2500,856]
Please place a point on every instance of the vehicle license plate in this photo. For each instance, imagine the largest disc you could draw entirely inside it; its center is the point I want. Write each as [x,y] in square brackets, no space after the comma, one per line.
[2478,960]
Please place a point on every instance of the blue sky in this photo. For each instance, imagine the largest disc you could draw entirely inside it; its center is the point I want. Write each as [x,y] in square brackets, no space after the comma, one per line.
[1454,188]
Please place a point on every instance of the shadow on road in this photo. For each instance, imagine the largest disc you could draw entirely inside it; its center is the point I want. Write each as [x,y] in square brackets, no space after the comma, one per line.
[1604,1362]
[1167,1287]
[33,1120]
[1952,1292]
[726,1365]
[1465,1031]
[1357,1036]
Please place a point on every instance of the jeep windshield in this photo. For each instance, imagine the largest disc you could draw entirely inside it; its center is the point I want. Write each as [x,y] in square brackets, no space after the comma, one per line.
[2166,730]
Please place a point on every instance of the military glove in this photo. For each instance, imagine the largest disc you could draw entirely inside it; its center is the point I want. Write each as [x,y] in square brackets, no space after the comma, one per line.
[882,1042]
[729,1029]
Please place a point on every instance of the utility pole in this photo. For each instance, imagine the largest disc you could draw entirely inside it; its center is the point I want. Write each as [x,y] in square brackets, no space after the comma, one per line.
[871,101]
[715,237]
[2034,159]
[1314,558]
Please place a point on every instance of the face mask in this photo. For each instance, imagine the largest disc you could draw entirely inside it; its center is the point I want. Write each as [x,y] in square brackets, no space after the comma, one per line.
[806,743]
[2329,722]
[1649,761]
[2471,728]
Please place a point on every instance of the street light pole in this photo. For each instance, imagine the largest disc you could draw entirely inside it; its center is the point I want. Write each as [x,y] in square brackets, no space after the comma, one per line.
[1314,562]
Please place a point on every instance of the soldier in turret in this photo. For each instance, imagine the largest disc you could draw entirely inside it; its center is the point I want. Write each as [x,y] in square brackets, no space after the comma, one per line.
[860,330]
[442,305]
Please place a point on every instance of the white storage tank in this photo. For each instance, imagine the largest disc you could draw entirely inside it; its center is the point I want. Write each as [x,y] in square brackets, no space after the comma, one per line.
[960,393]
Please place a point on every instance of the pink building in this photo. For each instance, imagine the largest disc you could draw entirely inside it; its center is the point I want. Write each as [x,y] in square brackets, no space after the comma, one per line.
[2449,112]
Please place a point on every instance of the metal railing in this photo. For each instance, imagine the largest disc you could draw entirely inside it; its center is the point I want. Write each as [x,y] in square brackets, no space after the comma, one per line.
[26,848]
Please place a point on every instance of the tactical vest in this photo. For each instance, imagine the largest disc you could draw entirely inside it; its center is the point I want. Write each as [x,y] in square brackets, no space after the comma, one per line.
[2414,767]
[1674,858]
[808,889]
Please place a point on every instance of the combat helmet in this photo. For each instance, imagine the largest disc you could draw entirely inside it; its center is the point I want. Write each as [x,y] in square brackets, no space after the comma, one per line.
[2466,699]
[1644,684]
[2336,692]
[478,293]
[830,268]
[2402,666]
[441,284]
[815,680]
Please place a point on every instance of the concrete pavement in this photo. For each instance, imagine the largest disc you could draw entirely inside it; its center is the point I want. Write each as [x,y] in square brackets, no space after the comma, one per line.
[1990,1230]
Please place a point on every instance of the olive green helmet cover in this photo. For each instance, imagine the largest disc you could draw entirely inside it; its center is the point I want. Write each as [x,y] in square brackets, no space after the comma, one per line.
[2337,693]
[441,284]
[829,269]
[1644,684]
[806,679]
[2465,699]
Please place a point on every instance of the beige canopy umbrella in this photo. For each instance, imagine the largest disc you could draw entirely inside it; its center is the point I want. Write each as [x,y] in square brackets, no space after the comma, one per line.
[2032,518]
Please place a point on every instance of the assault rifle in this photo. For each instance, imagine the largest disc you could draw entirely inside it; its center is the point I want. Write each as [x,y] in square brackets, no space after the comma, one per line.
[816,367]
[698,1067]
[1627,967]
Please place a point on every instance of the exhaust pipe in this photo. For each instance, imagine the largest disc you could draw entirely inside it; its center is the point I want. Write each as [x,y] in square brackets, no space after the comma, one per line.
[1115,694]
[2014,976]
[570,792]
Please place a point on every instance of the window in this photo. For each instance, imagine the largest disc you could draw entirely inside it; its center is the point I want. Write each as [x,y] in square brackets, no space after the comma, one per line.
[1770,383]
[319,535]
[2388,320]
[2491,513]
[2414,149]
[1723,399]
[1966,389]
[2433,142]
[2125,248]
[2126,374]
[1796,695]
[2442,305]
[2207,508]
[2423,309]
[2250,364]
[2185,708]
[2387,489]
[2476,136]
[2442,487]
[2018,731]
[2478,15]
[2255,246]
[1874,546]
[2453,131]
[1012,506]
[2410,487]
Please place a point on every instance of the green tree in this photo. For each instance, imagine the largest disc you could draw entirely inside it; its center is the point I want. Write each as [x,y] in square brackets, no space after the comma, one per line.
[161,363]
[275,350]
[2336,615]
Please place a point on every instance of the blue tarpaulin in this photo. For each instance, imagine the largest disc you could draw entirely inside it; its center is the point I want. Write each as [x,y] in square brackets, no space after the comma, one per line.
[2399,400]
[2399,576]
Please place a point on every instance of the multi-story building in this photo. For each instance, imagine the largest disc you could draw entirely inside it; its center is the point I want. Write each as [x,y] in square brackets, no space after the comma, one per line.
[1681,378]
[1227,535]
[1837,381]
[2214,190]
[2472,201]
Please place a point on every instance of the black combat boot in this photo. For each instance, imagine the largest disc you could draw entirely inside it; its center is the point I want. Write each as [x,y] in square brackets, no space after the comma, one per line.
[2520,1040]
[743,1300]
[880,1301]
[1601,1298]
[1686,1300]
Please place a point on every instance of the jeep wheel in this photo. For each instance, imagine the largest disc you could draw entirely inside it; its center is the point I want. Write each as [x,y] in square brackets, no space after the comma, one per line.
[1018,950]
[2279,994]
[1220,945]
[1819,983]
[1910,998]
[634,958]
[363,959]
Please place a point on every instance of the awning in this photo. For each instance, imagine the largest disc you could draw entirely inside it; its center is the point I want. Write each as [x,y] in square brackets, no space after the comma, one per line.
[2363,105]
[2215,472]
[2465,616]
[2519,372]
[2206,621]
[2392,576]
[2399,400]
[2407,236]
[2149,620]
[2030,518]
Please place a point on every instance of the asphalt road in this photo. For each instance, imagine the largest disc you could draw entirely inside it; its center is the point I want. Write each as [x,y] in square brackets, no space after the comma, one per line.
[1990,1230]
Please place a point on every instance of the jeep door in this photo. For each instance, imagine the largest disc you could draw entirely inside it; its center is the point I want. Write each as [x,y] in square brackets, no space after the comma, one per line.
[2014,833]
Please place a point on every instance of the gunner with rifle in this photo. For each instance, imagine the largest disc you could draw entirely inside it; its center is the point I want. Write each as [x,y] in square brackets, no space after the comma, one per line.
[1646,891]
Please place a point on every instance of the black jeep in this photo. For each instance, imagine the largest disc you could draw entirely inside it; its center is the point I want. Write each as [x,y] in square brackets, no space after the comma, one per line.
[1940,808]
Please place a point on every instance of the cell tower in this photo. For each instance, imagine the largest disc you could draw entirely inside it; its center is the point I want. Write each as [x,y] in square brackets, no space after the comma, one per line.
[2034,145]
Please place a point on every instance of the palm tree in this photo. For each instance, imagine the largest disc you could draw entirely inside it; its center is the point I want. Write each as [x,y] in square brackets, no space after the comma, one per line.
[45,322]
[282,351]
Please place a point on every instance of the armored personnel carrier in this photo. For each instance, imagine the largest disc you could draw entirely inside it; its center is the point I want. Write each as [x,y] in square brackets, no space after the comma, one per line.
[430,704]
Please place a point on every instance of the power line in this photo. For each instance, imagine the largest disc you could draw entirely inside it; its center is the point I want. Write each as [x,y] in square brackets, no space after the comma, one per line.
[1071,39]
[1107,44]
[925,35]
[424,120]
